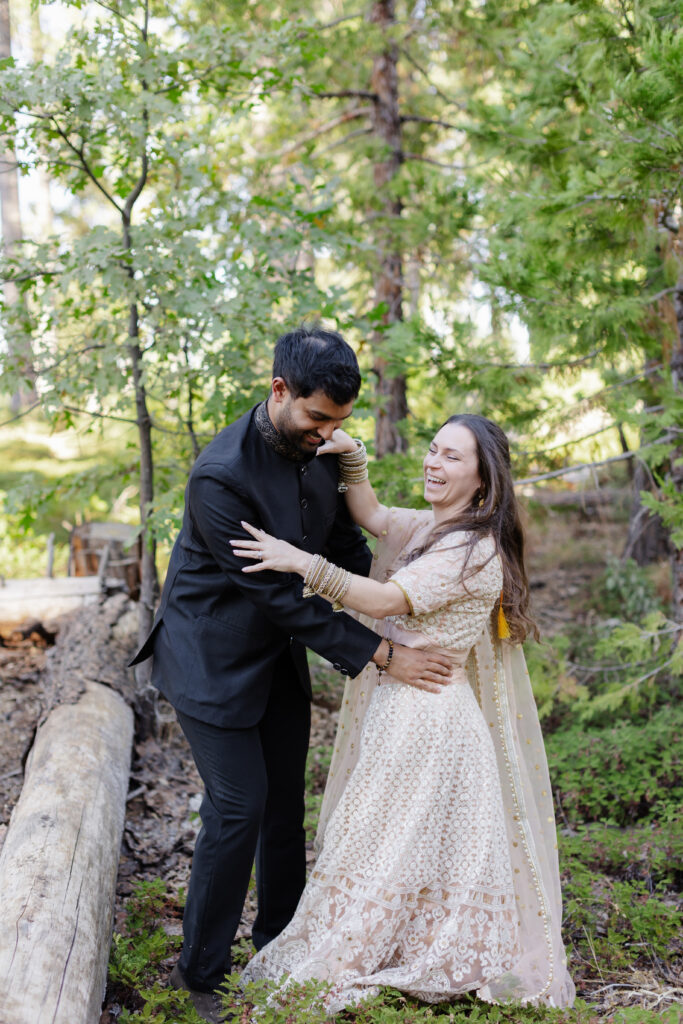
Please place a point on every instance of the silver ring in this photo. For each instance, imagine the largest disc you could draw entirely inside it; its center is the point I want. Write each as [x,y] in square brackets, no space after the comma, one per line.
[260,556]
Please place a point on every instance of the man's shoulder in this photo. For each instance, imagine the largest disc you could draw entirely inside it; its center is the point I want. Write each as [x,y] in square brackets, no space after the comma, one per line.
[226,450]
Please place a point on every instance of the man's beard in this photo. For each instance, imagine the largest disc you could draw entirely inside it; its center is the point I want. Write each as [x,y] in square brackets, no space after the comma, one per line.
[294,435]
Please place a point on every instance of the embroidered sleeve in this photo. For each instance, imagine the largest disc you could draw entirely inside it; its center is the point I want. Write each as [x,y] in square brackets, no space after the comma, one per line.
[434,581]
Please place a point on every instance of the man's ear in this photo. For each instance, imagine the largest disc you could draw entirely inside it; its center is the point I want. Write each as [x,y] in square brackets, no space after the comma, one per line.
[279,389]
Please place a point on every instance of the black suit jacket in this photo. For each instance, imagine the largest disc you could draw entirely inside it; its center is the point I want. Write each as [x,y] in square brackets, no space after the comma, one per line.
[219,632]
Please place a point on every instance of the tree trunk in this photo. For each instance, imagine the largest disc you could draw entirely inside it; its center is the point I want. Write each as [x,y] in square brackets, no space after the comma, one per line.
[677,457]
[149,584]
[59,863]
[21,358]
[386,123]
[41,205]
[647,540]
[145,704]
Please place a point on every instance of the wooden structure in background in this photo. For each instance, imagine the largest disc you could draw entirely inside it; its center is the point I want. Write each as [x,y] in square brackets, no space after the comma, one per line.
[111,549]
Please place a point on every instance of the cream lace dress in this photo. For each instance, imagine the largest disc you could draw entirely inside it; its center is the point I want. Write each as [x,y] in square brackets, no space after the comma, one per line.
[413,885]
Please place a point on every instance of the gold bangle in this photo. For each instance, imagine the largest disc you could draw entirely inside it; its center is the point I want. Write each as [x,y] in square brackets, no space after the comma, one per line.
[353,466]
[326,580]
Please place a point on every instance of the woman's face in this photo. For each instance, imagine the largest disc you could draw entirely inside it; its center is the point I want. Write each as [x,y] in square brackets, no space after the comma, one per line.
[451,469]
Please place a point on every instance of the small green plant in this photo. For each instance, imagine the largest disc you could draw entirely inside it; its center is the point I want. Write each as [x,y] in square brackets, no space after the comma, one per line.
[619,925]
[621,774]
[625,591]
[637,664]
[651,852]
[273,1003]
[317,767]
[161,1005]
[557,691]
[242,952]
[138,951]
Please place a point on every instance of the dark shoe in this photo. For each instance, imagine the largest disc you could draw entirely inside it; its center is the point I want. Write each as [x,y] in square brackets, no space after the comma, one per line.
[207,1004]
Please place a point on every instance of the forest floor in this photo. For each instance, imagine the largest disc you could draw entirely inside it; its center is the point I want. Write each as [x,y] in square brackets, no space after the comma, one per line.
[567,553]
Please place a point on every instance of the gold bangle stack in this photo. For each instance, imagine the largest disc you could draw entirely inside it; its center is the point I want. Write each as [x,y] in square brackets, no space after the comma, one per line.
[353,466]
[327,580]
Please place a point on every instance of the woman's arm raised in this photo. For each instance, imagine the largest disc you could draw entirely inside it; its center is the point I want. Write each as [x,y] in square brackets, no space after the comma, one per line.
[360,497]
[362,595]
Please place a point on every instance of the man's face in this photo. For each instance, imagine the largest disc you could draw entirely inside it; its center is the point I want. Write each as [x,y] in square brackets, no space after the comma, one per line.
[305,422]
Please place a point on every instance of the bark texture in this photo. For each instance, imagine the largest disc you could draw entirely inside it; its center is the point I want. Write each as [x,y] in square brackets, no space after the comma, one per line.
[677,457]
[386,124]
[44,599]
[59,862]
[11,233]
[648,539]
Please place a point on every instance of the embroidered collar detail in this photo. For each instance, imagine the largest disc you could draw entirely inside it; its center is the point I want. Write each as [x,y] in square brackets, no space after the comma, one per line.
[272,436]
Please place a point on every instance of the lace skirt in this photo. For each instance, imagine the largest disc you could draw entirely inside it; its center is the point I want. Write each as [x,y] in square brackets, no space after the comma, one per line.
[413,886]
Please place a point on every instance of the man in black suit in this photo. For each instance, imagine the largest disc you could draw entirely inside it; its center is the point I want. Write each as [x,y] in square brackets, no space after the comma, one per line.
[229,647]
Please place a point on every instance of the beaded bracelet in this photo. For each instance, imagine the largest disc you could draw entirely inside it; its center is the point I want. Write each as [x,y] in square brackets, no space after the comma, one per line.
[387,663]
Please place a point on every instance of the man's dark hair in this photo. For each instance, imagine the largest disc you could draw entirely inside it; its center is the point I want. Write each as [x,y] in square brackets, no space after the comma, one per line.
[312,359]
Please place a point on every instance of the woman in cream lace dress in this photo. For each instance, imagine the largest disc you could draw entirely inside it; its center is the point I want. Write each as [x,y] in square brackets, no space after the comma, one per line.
[437,867]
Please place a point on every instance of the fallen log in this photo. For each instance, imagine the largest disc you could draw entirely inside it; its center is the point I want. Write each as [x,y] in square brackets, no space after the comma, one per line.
[40,598]
[587,502]
[59,861]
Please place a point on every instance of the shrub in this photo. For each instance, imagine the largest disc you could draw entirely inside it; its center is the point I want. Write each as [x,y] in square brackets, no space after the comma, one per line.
[625,590]
[619,774]
[619,925]
[651,852]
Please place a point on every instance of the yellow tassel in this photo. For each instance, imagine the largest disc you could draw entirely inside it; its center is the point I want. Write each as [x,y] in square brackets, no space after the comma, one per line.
[503,628]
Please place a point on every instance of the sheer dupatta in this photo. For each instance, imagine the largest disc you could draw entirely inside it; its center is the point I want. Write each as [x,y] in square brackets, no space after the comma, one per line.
[498,676]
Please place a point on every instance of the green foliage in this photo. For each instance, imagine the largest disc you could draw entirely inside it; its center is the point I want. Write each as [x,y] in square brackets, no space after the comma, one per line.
[625,590]
[557,693]
[582,190]
[317,767]
[668,506]
[642,661]
[137,955]
[161,1005]
[278,1005]
[650,852]
[170,291]
[306,1002]
[138,951]
[619,925]
[398,479]
[620,774]
[620,912]
[627,662]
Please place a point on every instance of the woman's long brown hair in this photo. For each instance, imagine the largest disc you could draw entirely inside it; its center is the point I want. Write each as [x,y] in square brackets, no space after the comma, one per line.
[498,517]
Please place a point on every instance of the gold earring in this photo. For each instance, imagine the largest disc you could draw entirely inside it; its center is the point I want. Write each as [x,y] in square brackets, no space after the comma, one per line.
[481,502]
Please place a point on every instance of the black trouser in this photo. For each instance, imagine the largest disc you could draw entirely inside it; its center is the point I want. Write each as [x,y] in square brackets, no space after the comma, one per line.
[253,808]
